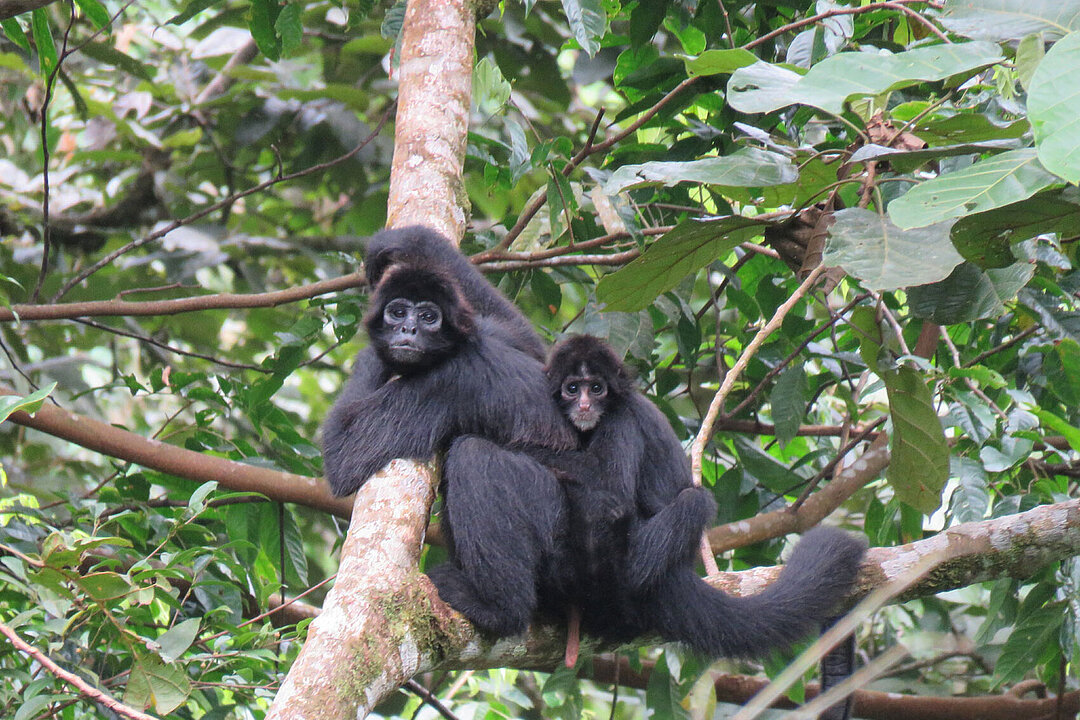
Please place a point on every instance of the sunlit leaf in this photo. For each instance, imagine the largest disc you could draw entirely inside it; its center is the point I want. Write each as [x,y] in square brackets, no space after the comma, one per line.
[28,404]
[762,88]
[587,22]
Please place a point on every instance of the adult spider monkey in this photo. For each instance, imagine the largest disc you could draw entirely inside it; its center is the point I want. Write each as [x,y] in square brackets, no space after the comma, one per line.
[635,527]
[452,365]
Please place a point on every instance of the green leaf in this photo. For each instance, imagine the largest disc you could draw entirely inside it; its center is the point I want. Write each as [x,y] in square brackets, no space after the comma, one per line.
[717,62]
[687,248]
[289,28]
[264,13]
[587,22]
[662,696]
[788,400]
[990,183]
[175,642]
[986,239]
[1000,611]
[561,203]
[29,404]
[103,586]
[111,56]
[1026,644]
[883,256]
[971,498]
[919,463]
[762,87]
[191,9]
[969,293]
[749,167]
[1055,424]
[14,32]
[491,90]
[39,26]
[1062,368]
[166,687]
[1029,53]
[998,20]
[94,10]
[645,20]
[1053,105]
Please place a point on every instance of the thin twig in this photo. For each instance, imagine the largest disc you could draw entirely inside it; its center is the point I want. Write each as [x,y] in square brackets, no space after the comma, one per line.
[697,450]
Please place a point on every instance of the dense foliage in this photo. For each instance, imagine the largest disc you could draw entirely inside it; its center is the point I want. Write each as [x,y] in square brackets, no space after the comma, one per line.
[934,146]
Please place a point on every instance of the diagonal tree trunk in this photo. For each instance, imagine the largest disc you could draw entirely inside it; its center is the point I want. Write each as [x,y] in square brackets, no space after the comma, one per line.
[376,630]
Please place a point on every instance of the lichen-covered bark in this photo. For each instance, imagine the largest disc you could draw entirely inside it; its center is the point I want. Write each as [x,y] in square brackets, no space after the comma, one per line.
[435,76]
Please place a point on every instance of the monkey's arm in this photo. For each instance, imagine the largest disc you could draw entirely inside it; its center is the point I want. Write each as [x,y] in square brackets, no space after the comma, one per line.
[363,433]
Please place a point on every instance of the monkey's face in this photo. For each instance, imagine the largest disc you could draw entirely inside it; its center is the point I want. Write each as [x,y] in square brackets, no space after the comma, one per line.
[412,333]
[583,398]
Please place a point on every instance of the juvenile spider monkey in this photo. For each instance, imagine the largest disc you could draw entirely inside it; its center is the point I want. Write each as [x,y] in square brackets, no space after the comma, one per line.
[636,521]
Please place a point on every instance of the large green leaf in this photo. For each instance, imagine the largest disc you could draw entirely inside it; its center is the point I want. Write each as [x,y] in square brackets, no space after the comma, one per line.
[1054,108]
[986,239]
[919,462]
[1027,643]
[690,246]
[166,687]
[969,293]
[990,183]
[998,20]
[762,87]
[885,257]
[749,167]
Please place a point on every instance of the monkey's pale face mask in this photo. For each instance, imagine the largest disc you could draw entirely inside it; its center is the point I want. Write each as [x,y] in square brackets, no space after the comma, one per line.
[584,397]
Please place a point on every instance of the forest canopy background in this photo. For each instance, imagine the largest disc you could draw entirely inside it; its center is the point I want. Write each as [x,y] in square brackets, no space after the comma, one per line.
[183,192]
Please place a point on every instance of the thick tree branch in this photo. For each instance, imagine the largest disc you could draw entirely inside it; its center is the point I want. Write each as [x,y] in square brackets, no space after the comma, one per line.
[129,446]
[812,511]
[382,624]
[1012,546]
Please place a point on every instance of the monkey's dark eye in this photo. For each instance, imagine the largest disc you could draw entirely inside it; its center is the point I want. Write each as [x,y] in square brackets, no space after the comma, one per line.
[571,388]
[397,311]
[429,317]
[597,389]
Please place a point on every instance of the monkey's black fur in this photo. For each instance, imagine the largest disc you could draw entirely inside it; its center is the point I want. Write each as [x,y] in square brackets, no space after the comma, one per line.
[635,527]
[475,387]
